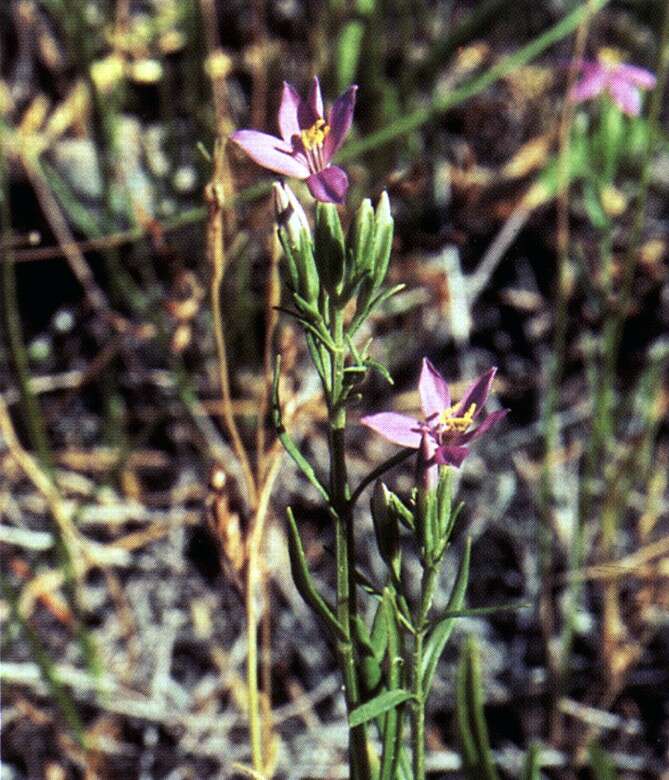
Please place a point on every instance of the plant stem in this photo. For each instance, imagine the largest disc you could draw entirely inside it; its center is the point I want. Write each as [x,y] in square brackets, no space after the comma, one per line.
[418,708]
[344,545]
[430,580]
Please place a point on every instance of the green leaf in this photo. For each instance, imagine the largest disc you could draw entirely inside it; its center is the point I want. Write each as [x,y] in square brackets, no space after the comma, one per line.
[440,634]
[289,445]
[377,706]
[478,611]
[472,729]
[304,582]
[380,368]
[348,52]
[379,634]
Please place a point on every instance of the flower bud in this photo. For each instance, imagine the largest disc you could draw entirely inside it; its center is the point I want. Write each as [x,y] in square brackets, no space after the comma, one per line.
[295,237]
[330,251]
[361,240]
[386,527]
[383,239]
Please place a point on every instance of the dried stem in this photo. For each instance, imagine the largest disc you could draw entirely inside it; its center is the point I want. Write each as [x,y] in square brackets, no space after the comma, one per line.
[215,196]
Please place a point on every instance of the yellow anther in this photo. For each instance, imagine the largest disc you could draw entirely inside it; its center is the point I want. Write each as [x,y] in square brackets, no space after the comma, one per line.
[459,424]
[609,57]
[315,135]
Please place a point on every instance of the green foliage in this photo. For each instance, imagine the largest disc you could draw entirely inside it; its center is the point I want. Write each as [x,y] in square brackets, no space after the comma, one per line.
[472,730]
[441,632]
[378,706]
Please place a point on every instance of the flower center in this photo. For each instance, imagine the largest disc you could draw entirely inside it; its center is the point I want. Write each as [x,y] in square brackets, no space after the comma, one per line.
[609,57]
[459,424]
[315,135]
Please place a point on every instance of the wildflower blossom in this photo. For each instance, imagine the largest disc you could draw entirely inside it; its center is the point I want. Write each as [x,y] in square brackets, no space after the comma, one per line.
[622,82]
[444,432]
[308,141]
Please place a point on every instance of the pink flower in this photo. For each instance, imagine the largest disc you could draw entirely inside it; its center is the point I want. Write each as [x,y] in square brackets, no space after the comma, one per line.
[445,428]
[308,141]
[622,82]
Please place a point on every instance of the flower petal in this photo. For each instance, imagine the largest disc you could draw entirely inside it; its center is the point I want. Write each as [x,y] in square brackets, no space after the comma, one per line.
[640,76]
[486,424]
[626,96]
[329,185]
[288,111]
[477,393]
[270,152]
[315,99]
[340,119]
[434,395]
[592,83]
[397,428]
[451,455]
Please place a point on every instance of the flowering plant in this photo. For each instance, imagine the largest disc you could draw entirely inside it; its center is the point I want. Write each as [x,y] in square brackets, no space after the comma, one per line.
[308,141]
[622,82]
[444,425]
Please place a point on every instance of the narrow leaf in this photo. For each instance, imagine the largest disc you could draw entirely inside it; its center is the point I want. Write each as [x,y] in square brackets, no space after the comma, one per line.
[289,445]
[477,756]
[304,581]
[441,633]
[377,706]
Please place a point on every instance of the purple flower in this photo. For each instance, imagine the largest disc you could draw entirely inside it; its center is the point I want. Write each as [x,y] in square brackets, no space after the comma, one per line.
[622,82]
[444,431]
[308,141]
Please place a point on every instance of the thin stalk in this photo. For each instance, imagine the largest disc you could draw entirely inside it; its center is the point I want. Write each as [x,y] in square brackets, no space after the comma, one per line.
[253,570]
[430,578]
[418,708]
[272,301]
[344,545]
[216,250]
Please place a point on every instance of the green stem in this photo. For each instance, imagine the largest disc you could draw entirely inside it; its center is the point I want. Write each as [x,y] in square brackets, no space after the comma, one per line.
[418,708]
[344,545]
[429,584]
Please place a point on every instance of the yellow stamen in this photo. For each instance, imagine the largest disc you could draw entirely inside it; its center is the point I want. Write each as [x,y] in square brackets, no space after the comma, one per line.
[459,424]
[609,56]
[315,135]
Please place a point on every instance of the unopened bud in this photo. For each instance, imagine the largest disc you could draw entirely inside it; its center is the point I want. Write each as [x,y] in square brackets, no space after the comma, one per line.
[383,239]
[295,236]
[361,239]
[330,250]
[386,527]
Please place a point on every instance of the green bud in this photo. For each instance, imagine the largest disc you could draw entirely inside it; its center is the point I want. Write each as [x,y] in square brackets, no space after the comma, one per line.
[370,674]
[386,527]
[427,531]
[330,251]
[383,239]
[360,240]
[297,242]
